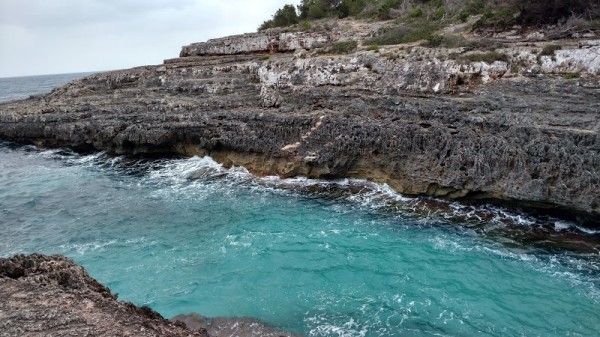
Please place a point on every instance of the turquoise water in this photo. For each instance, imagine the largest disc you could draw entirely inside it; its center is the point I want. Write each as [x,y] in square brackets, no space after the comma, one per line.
[344,258]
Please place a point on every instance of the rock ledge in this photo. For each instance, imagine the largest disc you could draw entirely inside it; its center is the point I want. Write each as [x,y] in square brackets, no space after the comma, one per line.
[52,296]
[523,130]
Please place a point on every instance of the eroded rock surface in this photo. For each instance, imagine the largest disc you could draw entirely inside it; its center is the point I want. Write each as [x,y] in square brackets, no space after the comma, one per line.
[408,116]
[230,327]
[52,296]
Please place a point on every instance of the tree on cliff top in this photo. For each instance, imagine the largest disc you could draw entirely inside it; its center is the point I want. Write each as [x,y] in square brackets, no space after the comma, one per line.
[284,17]
[318,9]
[494,12]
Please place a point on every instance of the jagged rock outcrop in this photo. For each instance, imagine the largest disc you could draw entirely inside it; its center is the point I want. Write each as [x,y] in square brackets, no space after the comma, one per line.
[410,116]
[47,296]
[52,296]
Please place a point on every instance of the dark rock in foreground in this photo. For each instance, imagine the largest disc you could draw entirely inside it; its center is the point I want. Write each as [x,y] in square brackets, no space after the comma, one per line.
[52,296]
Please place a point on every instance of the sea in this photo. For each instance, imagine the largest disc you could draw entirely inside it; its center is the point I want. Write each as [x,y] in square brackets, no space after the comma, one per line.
[344,258]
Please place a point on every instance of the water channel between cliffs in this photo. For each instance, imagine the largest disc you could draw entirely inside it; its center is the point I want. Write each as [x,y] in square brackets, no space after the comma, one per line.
[336,258]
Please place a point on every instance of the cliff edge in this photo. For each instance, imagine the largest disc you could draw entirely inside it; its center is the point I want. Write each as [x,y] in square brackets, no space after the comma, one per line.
[52,296]
[514,118]
[46,296]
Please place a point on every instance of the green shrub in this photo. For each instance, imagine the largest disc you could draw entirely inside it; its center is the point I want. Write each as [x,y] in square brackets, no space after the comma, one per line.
[350,8]
[344,47]
[588,25]
[435,3]
[284,17]
[489,57]
[571,76]
[384,11]
[439,13]
[373,47]
[550,50]
[500,18]
[404,33]
[266,25]
[496,13]
[457,41]
[305,25]
[416,12]
[463,16]
[264,57]
[317,9]
[434,41]
[474,7]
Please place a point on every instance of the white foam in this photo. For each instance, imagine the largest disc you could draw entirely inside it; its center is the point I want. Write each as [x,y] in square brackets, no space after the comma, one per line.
[561,225]
[189,176]
[556,266]
[83,248]
[89,160]
[135,241]
[347,329]
[191,173]
[450,245]
[181,170]
[588,230]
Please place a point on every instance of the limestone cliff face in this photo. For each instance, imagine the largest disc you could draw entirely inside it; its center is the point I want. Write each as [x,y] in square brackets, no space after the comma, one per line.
[257,43]
[409,116]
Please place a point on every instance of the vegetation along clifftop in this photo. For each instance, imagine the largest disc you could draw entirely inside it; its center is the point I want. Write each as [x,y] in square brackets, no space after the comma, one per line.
[496,14]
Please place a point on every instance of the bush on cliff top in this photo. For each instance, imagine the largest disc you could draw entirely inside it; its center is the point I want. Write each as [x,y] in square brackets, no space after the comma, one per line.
[344,47]
[404,33]
[489,57]
[318,9]
[498,14]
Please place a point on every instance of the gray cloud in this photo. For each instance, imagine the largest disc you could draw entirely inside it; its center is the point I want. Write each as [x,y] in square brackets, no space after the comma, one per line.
[52,36]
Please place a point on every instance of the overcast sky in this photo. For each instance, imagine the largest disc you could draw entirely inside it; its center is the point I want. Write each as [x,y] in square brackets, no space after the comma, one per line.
[65,36]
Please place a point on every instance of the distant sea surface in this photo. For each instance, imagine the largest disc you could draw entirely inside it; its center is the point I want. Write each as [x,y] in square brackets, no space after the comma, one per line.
[320,258]
[13,88]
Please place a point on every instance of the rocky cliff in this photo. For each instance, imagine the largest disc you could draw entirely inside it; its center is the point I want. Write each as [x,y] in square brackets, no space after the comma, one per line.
[52,296]
[522,128]
[47,296]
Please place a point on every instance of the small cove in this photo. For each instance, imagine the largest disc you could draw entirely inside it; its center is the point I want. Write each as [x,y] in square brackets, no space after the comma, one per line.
[186,235]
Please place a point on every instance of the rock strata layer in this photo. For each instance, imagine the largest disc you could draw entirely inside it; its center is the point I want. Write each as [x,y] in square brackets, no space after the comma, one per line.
[408,116]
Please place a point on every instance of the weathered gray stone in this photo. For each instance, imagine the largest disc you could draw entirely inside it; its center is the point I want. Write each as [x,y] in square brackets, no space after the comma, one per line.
[403,116]
[258,43]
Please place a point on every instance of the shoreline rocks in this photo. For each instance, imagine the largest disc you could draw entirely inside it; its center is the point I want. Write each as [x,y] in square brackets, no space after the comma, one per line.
[406,115]
[44,295]
[227,327]
[52,296]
